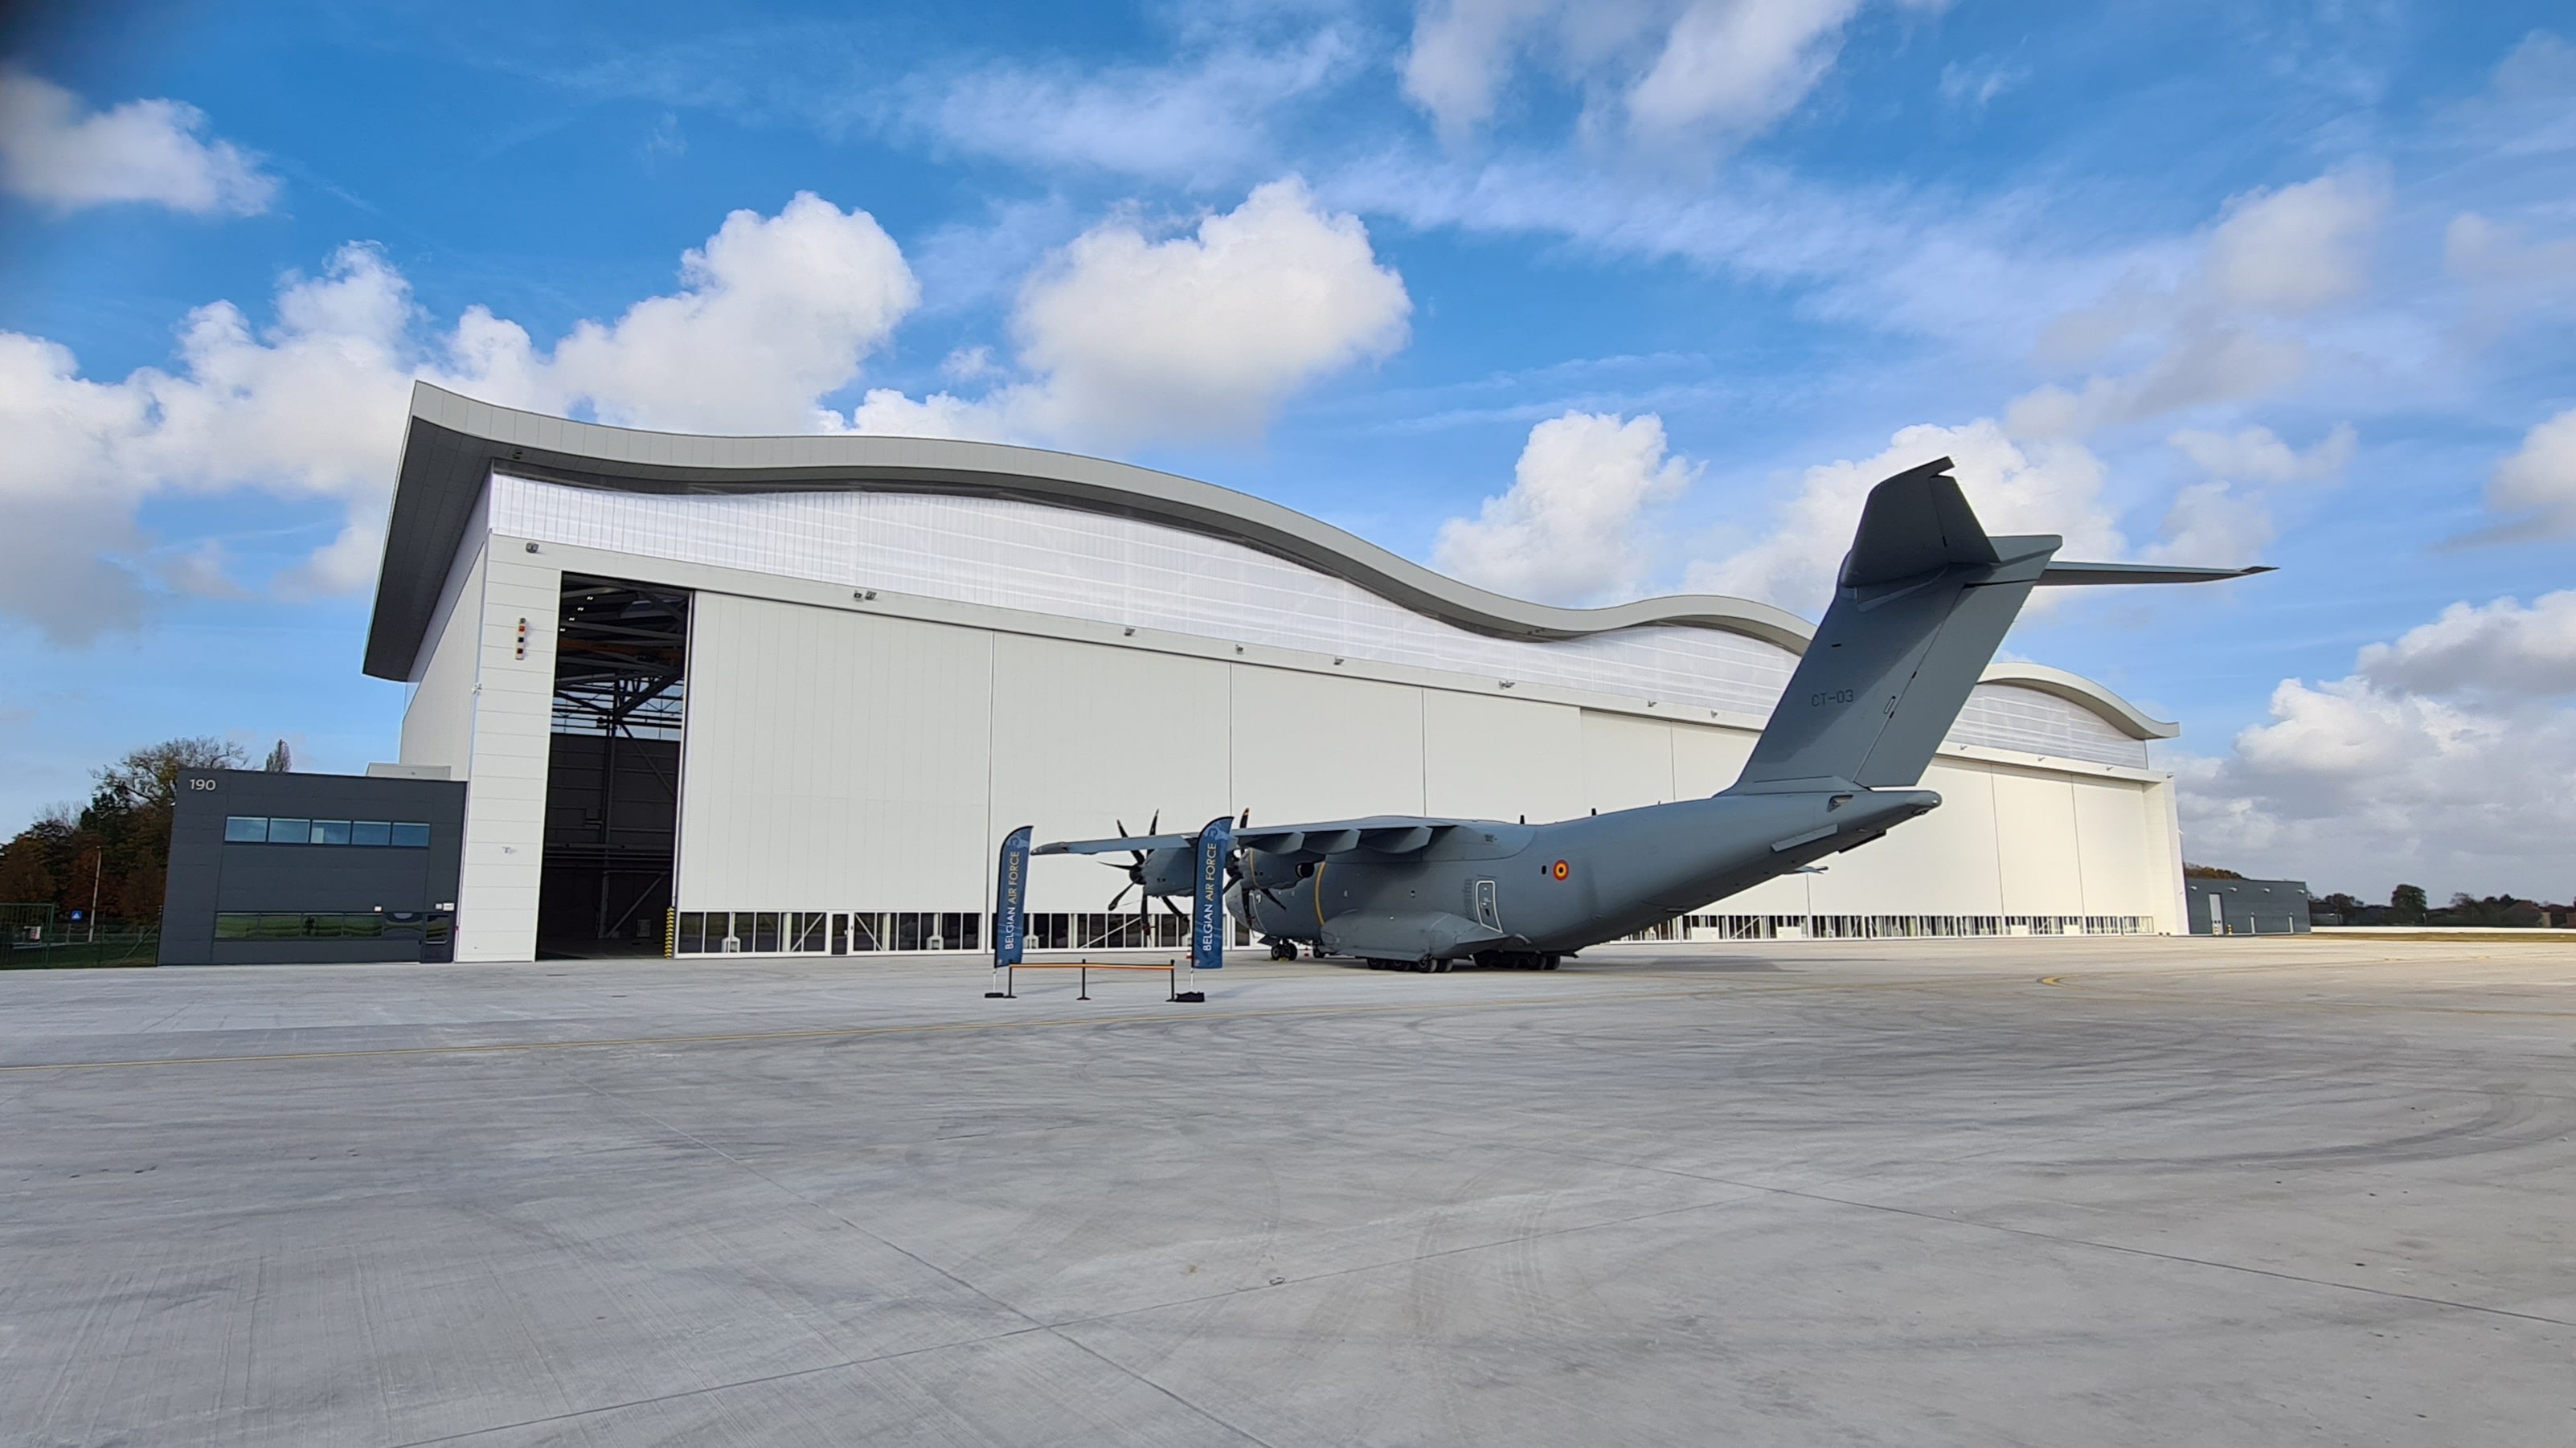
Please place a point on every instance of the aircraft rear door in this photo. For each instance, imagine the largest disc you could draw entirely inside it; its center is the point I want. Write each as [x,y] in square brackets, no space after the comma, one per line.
[1489,914]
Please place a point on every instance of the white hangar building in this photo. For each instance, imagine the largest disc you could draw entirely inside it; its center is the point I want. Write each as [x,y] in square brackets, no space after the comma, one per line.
[789,694]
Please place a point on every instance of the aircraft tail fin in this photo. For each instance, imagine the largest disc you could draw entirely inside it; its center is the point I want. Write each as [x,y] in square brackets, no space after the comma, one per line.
[1924,599]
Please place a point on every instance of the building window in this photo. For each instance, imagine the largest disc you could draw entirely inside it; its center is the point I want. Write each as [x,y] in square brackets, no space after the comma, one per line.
[692,936]
[304,925]
[263,829]
[810,925]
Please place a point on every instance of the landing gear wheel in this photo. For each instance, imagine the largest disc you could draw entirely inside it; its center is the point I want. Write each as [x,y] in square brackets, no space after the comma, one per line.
[1547,962]
[1283,950]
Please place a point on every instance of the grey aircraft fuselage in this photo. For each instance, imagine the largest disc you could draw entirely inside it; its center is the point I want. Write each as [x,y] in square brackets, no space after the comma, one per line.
[1553,889]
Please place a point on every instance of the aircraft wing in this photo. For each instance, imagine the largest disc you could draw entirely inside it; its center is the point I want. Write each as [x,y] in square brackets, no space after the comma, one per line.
[1119,845]
[1376,834]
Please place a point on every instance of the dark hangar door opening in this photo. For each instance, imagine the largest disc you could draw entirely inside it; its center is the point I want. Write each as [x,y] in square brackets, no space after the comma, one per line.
[613,772]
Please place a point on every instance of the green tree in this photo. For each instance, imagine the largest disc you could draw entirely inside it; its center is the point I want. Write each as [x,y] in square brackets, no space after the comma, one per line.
[116,851]
[129,820]
[2406,905]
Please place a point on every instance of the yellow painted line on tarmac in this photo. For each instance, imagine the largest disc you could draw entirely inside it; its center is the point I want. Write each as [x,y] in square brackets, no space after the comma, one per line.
[2052,980]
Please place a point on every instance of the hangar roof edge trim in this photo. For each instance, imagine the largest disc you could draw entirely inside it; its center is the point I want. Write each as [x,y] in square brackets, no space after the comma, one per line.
[452,442]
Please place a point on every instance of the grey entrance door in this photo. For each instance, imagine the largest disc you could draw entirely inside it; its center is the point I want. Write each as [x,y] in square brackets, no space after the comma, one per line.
[1488,914]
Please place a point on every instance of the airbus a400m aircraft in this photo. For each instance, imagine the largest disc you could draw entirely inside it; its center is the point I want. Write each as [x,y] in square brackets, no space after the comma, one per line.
[1923,599]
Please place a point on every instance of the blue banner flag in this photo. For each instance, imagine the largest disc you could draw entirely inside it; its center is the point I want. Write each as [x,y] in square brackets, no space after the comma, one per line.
[1011,900]
[1207,895]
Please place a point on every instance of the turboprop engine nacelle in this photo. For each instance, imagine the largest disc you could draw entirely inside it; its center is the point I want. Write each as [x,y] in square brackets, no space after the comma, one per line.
[1270,871]
[1168,871]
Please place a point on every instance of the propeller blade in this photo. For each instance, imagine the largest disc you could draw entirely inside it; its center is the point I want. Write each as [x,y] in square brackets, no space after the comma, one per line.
[1123,830]
[1155,825]
[1175,909]
[1112,907]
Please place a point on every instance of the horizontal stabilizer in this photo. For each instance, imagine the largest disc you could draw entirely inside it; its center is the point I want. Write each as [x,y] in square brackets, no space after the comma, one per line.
[2063,575]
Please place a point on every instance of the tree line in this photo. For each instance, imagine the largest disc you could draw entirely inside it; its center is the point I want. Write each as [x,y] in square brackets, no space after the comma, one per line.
[2407,905]
[112,854]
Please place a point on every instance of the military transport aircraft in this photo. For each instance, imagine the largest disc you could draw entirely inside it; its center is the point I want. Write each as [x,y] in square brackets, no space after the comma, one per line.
[1923,600]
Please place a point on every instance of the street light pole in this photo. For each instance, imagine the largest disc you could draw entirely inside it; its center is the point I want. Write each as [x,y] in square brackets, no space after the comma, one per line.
[98,868]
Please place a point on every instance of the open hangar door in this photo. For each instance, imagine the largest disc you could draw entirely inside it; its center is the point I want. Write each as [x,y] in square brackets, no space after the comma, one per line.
[613,771]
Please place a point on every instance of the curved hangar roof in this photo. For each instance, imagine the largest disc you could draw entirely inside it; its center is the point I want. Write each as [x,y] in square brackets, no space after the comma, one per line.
[455,443]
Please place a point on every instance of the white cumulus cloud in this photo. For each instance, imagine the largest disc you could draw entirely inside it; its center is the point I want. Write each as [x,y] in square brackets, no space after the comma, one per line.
[1567,529]
[57,152]
[2226,519]
[2446,759]
[2537,484]
[2223,329]
[1739,64]
[2047,487]
[1667,66]
[2502,648]
[775,313]
[1190,337]
[2300,247]
[2257,454]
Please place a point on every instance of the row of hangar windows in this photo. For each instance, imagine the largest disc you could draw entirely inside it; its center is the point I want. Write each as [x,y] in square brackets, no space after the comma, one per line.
[835,932]
[818,932]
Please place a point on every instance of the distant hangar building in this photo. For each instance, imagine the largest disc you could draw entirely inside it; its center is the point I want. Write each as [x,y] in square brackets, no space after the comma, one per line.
[787,694]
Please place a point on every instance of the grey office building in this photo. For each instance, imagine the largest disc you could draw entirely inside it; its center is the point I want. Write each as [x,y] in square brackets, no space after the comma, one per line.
[2245,907]
[290,868]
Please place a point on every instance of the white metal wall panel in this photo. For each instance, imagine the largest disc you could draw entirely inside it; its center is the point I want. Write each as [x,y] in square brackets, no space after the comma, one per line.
[1626,762]
[2035,840]
[505,805]
[2123,869]
[1499,759]
[1943,863]
[1707,758]
[1313,747]
[438,722]
[833,759]
[1085,736]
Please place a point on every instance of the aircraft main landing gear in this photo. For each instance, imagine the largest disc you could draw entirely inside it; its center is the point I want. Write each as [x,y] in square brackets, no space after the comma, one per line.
[1283,950]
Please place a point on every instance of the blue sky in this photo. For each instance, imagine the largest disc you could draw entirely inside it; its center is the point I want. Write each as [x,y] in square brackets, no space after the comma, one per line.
[1579,301]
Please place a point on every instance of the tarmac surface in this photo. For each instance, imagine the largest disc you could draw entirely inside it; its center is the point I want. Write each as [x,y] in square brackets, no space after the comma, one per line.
[2099,1191]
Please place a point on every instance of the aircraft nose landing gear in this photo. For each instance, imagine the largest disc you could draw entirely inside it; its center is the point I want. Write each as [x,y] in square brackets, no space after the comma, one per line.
[1283,950]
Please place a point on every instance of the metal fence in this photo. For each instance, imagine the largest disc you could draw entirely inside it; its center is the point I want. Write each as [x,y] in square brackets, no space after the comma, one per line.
[37,937]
